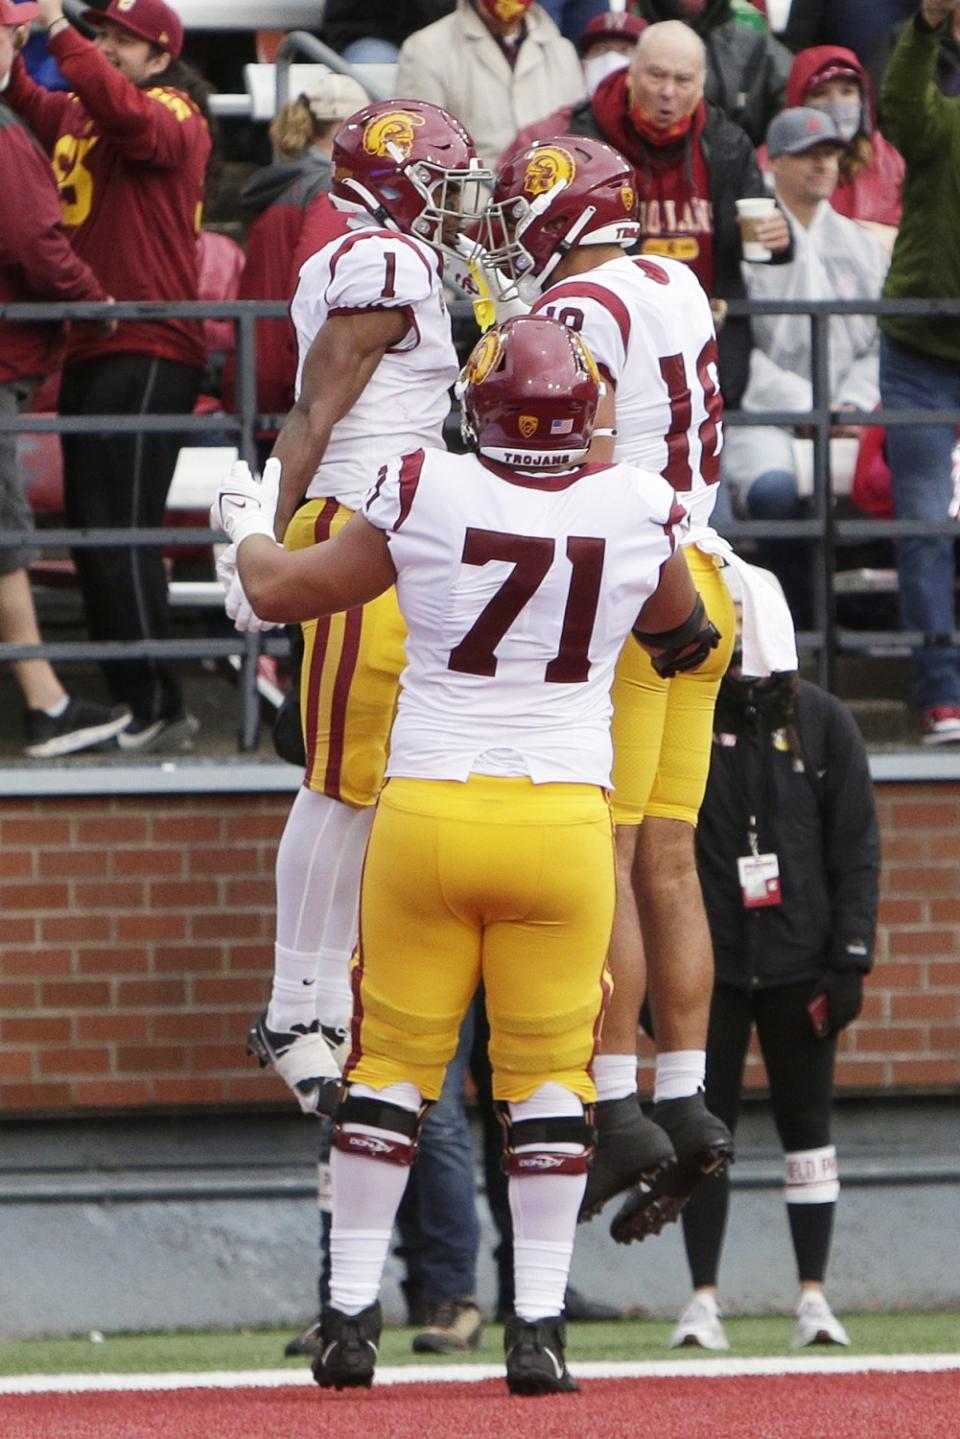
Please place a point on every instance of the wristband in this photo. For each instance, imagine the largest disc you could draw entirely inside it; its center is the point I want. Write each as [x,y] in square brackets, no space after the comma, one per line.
[60,20]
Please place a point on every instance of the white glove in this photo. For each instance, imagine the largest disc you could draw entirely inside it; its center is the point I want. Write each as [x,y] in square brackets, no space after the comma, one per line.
[225,564]
[245,506]
[240,610]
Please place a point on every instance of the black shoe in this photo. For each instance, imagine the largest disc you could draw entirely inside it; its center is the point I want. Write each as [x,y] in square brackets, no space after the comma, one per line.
[631,1150]
[81,726]
[581,1310]
[536,1363]
[350,1346]
[453,1326]
[302,1058]
[172,734]
[308,1342]
[704,1147]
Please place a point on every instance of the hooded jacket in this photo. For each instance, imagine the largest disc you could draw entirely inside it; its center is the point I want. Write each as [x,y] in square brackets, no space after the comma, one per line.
[746,68]
[814,808]
[873,193]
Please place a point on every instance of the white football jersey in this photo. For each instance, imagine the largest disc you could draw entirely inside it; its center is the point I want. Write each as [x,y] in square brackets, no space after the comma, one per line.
[518,593]
[406,400]
[648,324]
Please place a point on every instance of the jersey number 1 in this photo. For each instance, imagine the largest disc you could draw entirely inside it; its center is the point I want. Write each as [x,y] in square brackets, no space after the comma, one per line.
[531,559]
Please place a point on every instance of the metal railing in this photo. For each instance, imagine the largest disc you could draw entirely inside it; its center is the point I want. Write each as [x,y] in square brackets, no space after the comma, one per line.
[826,640]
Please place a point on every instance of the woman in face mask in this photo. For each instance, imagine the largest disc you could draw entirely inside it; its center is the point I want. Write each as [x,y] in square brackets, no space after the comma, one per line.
[831,78]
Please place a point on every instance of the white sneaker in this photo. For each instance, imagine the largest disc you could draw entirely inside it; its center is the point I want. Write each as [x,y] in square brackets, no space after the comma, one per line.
[816,1322]
[699,1325]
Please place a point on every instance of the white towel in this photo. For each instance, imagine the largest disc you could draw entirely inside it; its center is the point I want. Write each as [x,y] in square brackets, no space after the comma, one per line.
[769,641]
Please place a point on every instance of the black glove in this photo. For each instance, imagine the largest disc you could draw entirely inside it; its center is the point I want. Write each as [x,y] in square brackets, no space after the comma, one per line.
[844,991]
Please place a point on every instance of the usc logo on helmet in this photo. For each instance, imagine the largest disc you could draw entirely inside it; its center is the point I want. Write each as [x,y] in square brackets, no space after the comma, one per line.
[528,425]
[483,357]
[393,131]
[629,197]
[549,166]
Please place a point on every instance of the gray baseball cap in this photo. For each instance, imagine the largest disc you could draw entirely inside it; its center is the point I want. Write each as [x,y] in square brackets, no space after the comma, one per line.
[334,97]
[794,131]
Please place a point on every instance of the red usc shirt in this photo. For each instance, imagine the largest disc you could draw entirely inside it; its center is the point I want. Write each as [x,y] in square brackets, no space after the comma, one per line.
[129,165]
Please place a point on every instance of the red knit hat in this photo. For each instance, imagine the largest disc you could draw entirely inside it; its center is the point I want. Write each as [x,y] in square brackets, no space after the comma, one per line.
[150,19]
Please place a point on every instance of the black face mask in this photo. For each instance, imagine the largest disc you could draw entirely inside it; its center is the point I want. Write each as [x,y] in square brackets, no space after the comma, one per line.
[771,703]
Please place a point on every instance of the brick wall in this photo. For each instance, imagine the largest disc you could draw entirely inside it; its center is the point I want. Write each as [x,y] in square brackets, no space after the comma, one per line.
[136,942]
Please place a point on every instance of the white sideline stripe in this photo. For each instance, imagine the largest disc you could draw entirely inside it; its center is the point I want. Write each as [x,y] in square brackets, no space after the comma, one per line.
[459,1373]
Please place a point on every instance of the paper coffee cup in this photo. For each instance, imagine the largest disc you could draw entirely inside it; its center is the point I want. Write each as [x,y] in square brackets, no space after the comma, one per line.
[756,208]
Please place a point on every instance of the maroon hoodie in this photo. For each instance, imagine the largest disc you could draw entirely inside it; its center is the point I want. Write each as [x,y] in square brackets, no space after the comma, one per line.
[873,193]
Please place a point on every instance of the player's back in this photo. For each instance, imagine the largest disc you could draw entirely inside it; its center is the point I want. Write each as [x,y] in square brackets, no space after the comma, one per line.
[405,402]
[649,326]
[518,592]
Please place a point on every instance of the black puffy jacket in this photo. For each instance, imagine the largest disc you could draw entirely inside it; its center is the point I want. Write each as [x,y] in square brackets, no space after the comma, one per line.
[814,809]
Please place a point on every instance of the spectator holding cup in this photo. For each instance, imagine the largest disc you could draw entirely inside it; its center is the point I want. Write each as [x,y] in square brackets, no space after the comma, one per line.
[692,165]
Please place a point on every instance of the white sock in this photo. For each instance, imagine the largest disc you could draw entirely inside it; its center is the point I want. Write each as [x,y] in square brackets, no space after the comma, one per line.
[544,1210]
[55,711]
[333,996]
[615,1075]
[679,1073]
[366,1195]
[318,860]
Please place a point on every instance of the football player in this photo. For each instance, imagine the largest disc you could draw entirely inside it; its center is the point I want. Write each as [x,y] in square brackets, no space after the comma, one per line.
[562,216]
[519,570]
[376,362]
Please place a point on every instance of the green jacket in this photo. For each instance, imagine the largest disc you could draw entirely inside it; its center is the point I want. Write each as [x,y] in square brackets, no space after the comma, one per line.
[925,127]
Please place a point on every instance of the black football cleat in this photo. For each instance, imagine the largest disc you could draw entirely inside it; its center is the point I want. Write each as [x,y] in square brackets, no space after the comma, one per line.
[704,1147]
[350,1344]
[536,1363]
[631,1151]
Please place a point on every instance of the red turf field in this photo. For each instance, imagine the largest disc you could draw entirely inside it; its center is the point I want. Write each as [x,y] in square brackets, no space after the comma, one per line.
[805,1406]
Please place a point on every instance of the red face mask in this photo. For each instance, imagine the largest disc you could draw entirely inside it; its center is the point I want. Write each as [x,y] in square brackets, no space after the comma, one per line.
[506,11]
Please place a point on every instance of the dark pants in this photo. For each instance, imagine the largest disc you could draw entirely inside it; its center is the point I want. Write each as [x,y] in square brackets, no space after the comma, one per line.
[800,1072]
[120,481]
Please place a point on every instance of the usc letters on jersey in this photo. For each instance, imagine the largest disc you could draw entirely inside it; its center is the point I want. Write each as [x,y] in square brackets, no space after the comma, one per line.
[648,324]
[406,397]
[518,593]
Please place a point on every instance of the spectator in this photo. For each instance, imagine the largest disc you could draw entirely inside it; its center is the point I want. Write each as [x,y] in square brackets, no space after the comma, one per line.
[789,858]
[280,197]
[692,165]
[130,146]
[947,73]
[606,45]
[858,26]
[871,169]
[374,36]
[571,17]
[497,65]
[797,23]
[746,69]
[920,355]
[833,259]
[36,263]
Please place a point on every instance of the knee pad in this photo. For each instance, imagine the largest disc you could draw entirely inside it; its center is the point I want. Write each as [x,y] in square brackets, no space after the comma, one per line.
[376,1129]
[812,1176]
[559,1144]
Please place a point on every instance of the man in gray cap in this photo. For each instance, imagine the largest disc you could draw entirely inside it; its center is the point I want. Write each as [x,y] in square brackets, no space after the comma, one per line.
[833,259]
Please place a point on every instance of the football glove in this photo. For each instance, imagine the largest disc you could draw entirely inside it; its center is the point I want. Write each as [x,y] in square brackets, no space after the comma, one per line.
[246,506]
[240,610]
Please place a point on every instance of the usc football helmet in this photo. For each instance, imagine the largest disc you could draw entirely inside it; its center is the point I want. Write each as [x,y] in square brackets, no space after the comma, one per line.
[413,167]
[555,194]
[529,394]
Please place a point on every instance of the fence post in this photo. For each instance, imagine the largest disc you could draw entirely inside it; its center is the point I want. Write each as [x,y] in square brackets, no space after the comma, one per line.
[824,559]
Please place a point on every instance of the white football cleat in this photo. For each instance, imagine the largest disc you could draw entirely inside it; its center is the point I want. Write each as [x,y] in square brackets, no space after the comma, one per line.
[303,1059]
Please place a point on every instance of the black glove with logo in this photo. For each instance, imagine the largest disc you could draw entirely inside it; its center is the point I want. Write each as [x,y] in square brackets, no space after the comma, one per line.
[844,992]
